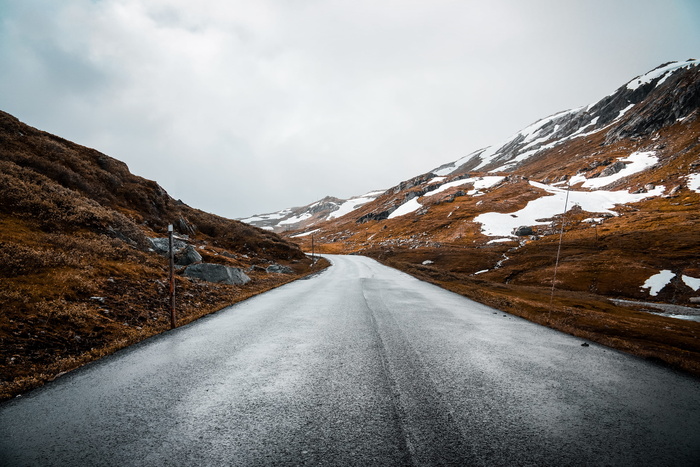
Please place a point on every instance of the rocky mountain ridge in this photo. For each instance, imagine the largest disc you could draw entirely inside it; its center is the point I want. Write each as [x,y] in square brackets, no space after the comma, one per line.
[586,221]
[633,155]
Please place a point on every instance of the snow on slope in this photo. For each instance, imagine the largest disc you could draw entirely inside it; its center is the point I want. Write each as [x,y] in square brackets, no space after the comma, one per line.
[540,210]
[353,203]
[694,182]
[563,126]
[480,183]
[634,163]
[663,72]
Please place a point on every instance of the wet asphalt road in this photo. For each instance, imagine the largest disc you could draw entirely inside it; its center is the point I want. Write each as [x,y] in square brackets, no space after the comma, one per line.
[360,365]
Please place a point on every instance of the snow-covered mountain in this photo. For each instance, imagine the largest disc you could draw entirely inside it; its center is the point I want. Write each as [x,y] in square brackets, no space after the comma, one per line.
[630,100]
[303,217]
[626,167]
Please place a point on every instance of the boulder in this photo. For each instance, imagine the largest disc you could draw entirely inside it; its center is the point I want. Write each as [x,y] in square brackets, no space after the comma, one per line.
[279,269]
[161,245]
[217,273]
[188,256]
[523,231]
[612,169]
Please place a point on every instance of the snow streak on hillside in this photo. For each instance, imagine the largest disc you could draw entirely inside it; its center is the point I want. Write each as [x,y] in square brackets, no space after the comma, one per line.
[563,126]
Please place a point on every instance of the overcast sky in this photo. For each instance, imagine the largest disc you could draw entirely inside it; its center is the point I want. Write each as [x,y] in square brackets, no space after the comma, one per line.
[242,107]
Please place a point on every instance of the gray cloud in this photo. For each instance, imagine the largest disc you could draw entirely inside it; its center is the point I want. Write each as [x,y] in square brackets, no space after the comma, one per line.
[241,107]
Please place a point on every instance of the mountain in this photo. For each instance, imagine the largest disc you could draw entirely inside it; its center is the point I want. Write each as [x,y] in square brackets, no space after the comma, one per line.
[328,208]
[79,277]
[583,207]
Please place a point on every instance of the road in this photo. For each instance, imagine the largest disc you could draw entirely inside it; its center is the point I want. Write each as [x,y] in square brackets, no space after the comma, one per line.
[359,365]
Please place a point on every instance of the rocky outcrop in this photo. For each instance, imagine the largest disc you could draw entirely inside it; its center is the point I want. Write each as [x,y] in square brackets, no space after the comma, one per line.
[162,246]
[279,269]
[217,273]
[612,169]
[188,256]
[375,216]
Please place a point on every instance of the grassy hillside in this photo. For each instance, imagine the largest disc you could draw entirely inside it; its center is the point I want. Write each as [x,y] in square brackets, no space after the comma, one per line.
[77,277]
[605,255]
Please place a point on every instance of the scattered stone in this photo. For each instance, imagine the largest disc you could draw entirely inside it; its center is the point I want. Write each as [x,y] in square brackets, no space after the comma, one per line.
[279,269]
[585,344]
[217,273]
[523,231]
[427,261]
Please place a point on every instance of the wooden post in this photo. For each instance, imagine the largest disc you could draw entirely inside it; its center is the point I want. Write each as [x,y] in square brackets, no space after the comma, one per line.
[172,277]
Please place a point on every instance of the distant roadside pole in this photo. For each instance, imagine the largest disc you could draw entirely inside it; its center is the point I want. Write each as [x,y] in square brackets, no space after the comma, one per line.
[171,254]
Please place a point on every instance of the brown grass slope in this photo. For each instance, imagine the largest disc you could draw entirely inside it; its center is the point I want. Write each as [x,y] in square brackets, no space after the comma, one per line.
[610,259]
[77,279]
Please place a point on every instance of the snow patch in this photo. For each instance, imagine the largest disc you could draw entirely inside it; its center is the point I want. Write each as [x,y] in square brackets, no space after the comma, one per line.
[499,240]
[408,207]
[635,163]
[658,281]
[664,71]
[304,234]
[692,282]
[495,224]
[693,181]
[354,203]
[295,219]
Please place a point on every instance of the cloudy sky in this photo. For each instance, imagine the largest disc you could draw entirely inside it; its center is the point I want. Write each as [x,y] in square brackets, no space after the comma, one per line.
[242,107]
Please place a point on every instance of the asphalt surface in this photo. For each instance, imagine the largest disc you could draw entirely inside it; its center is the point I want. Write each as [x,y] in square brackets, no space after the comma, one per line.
[360,365]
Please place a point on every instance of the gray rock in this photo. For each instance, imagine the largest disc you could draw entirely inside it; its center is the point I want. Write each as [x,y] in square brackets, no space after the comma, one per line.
[523,231]
[612,169]
[217,273]
[188,256]
[160,245]
[279,269]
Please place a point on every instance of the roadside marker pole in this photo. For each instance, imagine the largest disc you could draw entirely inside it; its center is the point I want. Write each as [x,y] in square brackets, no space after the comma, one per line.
[172,277]
[561,236]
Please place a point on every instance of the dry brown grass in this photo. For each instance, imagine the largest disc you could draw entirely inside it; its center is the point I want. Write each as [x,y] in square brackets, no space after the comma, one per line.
[77,280]
[610,260]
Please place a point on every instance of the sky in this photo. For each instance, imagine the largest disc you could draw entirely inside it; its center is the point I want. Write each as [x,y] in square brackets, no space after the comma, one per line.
[248,107]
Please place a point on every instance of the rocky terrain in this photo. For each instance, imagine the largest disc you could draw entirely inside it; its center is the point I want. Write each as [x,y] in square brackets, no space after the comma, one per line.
[83,267]
[581,207]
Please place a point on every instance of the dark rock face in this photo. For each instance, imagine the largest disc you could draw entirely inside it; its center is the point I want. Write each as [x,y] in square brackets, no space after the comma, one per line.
[374,216]
[217,273]
[415,181]
[677,97]
[279,269]
[523,231]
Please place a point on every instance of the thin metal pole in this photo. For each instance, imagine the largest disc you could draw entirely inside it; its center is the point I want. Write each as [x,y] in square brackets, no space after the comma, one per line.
[561,236]
[172,278]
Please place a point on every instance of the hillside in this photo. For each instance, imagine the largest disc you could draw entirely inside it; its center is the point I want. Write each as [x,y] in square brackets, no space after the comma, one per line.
[79,277]
[489,224]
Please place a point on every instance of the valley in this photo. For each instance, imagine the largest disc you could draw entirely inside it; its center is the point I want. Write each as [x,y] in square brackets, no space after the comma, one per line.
[558,224]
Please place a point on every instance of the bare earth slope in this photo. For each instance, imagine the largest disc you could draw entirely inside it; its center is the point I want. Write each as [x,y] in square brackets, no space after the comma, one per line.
[627,171]
[78,275]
